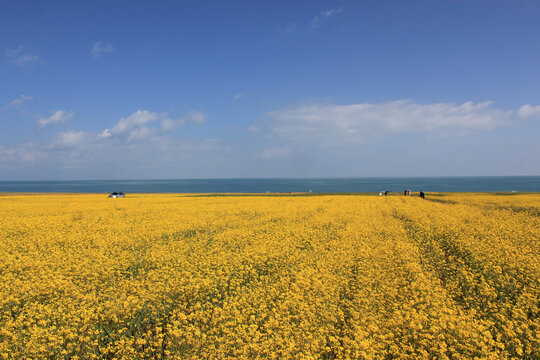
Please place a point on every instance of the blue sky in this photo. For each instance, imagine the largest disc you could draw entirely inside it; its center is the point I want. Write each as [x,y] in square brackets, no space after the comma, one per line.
[201,89]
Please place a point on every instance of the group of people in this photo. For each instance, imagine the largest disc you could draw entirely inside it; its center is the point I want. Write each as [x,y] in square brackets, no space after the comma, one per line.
[408,193]
[405,192]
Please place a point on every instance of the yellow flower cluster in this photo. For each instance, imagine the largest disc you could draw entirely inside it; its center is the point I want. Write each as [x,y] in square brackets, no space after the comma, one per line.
[296,277]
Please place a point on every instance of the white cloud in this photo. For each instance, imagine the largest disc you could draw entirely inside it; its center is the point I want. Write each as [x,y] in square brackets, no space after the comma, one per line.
[331,12]
[238,96]
[18,101]
[98,48]
[527,111]
[132,128]
[168,124]
[136,127]
[70,138]
[59,116]
[196,117]
[141,133]
[338,124]
[85,150]
[193,117]
[21,57]
[21,100]
[105,134]
[26,153]
[318,20]
[133,122]
[136,139]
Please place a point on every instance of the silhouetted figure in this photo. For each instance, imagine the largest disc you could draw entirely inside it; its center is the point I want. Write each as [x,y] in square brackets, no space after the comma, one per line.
[405,192]
[422,195]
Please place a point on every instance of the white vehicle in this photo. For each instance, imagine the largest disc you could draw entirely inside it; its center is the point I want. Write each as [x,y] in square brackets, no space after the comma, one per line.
[117,195]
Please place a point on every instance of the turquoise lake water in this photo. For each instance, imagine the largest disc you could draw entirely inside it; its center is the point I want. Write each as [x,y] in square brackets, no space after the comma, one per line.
[316,185]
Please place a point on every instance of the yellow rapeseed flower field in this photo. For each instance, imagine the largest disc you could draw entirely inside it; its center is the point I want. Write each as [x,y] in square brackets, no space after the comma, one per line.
[456,276]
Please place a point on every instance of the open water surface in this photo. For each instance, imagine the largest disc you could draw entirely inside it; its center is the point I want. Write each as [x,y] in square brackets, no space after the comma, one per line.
[316,185]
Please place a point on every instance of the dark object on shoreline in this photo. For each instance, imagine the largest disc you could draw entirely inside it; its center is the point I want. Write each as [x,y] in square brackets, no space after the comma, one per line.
[422,195]
[117,195]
